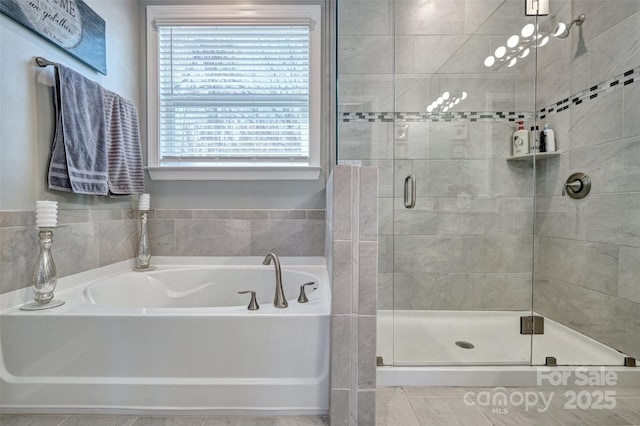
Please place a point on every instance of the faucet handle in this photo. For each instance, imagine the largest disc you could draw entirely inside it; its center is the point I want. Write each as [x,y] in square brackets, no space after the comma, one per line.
[253,304]
[303,297]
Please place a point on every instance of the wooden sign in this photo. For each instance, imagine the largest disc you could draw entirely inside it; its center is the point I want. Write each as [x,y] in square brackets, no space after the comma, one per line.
[69,24]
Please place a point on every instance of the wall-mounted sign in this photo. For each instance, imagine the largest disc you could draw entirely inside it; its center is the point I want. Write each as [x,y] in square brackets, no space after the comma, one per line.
[69,24]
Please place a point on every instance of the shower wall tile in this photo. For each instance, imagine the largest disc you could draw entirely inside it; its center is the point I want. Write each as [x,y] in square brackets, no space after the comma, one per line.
[469,57]
[477,12]
[412,140]
[428,253]
[497,254]
[558,83]
[631,112]
[561,217]
[377,91]
[410,57]
[366,141]
[619,225]
[608,12]
[616,50]
[629,278]
[608,319]
[470,216]
[586,264]
[420,220]
[612,167]
[412,92]
[365,55]
[597,121]
[511,178]
[432,17]
[364,17]
[455,291]
[459,178]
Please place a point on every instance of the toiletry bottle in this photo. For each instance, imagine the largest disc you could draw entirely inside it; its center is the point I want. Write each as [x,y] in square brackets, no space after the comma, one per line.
[520,140]
[549,138]
[543,142]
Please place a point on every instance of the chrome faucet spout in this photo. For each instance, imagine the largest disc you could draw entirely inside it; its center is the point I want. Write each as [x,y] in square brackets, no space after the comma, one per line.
[279,301]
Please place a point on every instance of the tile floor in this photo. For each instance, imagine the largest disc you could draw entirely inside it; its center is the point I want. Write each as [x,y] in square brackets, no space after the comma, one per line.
[416,406]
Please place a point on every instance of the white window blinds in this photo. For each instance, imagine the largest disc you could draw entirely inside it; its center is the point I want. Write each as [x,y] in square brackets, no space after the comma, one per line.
[234,92]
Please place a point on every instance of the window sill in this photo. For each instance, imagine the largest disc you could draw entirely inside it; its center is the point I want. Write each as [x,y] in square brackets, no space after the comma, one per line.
[234,173]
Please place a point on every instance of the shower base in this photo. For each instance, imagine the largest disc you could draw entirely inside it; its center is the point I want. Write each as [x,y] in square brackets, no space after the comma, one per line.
[413,337]
[421,346]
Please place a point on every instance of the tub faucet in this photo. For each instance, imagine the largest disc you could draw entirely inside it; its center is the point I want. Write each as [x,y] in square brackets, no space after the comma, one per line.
[279,300]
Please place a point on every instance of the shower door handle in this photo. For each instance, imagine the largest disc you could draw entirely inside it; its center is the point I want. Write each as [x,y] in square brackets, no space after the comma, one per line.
[410,191]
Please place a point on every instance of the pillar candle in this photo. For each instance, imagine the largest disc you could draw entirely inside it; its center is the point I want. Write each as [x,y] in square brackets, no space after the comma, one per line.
[46,214]
[144,203]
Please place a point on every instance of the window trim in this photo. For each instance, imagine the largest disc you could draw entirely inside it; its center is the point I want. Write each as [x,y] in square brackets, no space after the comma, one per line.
[259,170]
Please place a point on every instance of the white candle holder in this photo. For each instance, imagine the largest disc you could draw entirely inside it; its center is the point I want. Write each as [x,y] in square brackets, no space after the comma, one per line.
[44,275]
[144,254]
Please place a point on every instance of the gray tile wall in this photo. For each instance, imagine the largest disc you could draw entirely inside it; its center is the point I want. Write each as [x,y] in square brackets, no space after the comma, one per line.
[88,239]
[352,253]
[588,256]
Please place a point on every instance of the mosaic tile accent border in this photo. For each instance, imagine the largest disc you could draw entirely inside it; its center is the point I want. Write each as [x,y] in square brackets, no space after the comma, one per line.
[621,80]
[405,117]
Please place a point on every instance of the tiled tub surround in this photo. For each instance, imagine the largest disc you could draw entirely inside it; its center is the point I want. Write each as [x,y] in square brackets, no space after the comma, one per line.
[88,239]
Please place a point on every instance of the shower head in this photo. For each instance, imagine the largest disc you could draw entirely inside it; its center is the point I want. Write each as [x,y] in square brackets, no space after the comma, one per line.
[563,30]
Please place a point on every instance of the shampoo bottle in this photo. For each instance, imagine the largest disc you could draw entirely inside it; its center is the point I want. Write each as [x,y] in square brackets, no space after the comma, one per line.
[548,139]
[520,140]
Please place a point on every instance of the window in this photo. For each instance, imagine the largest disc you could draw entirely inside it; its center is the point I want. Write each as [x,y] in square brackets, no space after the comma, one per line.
[234,92]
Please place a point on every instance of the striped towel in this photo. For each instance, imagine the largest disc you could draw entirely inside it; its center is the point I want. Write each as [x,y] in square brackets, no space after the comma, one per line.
[78,154]
[126,175]
[96,146]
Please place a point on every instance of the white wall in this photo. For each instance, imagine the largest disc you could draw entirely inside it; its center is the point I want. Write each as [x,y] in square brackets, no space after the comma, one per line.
[26,111]
[26,124]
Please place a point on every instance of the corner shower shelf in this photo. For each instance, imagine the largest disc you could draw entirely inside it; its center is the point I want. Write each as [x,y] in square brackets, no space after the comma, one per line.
[538,156]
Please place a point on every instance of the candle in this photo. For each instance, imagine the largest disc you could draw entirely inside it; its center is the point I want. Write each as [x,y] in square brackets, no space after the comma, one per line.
[46,214]
[144,203]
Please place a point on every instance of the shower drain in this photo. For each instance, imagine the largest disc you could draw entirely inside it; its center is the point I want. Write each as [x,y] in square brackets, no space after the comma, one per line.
[464,345]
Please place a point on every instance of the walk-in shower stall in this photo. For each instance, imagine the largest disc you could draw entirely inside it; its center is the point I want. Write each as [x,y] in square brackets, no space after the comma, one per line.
[487,258]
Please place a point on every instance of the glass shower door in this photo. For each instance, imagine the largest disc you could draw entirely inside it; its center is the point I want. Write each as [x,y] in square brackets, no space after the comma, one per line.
[459,252]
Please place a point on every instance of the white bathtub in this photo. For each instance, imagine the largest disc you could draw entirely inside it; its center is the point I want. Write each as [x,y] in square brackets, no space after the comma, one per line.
[175,339]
